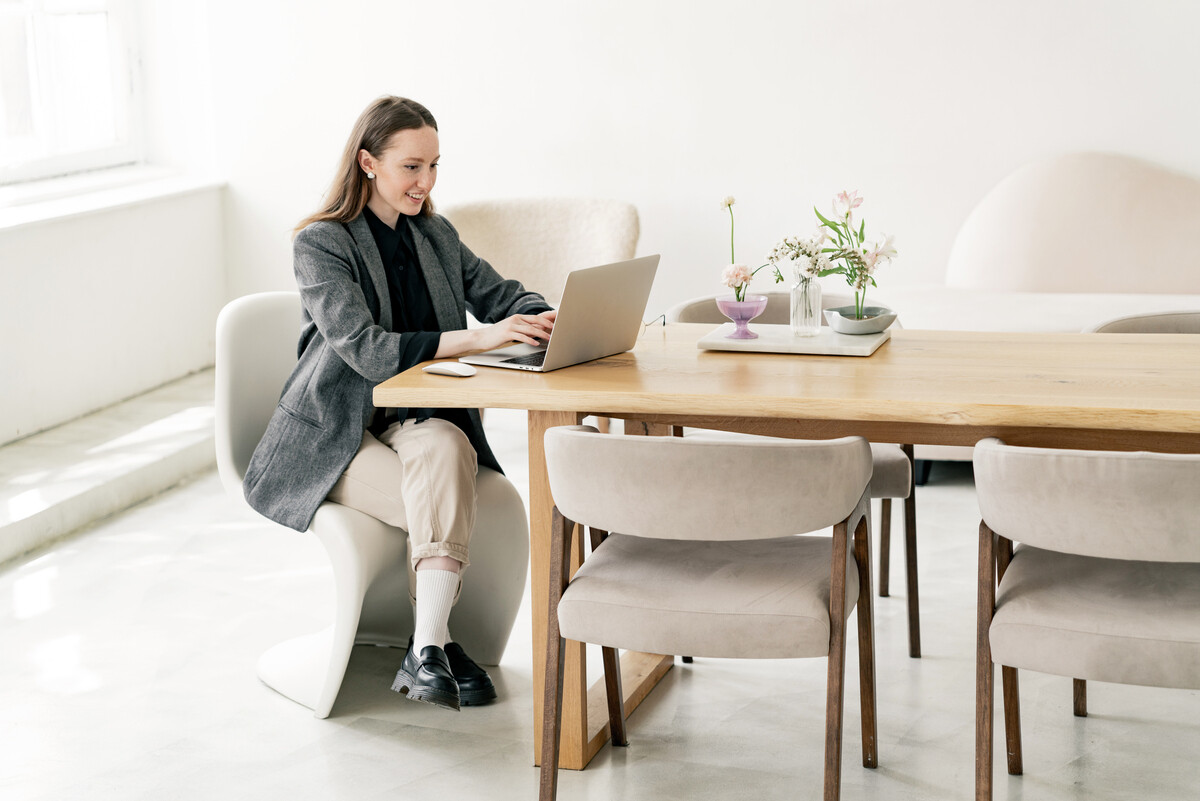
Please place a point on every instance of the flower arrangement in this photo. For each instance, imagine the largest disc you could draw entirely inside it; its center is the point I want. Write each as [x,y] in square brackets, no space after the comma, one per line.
[838,247]
[736,276]
[852,256]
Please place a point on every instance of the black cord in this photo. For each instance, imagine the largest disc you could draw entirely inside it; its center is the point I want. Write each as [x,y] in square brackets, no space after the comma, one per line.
[662,317]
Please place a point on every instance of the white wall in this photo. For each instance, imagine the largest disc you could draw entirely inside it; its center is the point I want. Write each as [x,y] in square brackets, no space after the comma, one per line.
[920,105]
[99,307]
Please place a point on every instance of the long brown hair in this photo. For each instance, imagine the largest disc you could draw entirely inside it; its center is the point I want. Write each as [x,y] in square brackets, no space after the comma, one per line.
[351,189]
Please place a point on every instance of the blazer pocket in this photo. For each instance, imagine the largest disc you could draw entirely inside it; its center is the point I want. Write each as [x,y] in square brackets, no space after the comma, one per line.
[301,418]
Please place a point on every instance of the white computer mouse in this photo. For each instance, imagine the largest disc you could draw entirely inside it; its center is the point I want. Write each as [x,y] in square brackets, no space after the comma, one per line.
[450,368]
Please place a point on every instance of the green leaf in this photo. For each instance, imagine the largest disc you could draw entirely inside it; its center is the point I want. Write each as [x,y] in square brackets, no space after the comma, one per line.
[862,230]
[821,217]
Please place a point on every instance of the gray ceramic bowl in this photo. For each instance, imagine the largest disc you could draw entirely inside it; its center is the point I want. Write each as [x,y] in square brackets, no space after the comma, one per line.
[876,319]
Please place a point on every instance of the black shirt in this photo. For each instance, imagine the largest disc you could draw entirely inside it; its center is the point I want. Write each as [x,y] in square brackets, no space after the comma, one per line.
[412,308]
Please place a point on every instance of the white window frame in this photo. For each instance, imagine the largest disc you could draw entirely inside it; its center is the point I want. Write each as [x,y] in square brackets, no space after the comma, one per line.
[125,60]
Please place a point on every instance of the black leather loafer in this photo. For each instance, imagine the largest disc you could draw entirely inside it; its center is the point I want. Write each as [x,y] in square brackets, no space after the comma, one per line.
[475,686]
[427,678]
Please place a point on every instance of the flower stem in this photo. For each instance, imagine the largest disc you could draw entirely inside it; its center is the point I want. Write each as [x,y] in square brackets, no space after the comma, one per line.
[732,260]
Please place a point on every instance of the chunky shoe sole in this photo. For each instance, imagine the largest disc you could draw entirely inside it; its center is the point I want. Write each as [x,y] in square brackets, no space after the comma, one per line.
[406,686]
[484,695]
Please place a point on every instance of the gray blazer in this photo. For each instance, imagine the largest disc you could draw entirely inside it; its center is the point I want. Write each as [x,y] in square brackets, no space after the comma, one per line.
[347,346]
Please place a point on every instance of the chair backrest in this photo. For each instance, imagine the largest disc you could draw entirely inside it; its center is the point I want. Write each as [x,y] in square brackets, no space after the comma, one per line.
[1177,322]
[538,241]
[1115,505]
[677,488]
[778,312]
[1085,222]
[256,351]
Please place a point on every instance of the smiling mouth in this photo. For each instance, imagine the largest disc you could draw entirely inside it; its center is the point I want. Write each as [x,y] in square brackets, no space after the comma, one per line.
[417,198]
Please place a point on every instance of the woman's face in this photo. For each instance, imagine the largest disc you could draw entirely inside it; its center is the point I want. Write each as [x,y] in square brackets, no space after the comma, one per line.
[404,173]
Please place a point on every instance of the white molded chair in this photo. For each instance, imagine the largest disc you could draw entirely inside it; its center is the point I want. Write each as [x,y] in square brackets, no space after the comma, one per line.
[256,350]
[685,561]
[1169,322]
[539,240]
[894,470]
[1104,584]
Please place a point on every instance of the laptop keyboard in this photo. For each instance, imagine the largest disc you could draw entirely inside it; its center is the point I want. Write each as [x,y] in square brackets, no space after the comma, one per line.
[528,360]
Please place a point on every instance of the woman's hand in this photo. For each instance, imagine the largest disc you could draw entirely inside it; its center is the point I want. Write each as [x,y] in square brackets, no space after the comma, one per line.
[532,329]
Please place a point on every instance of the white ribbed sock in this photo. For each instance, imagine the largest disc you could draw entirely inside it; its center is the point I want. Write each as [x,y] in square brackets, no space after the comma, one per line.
[435,595]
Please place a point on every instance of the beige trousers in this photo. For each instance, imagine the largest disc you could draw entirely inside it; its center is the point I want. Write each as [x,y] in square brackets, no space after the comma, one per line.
[419,477]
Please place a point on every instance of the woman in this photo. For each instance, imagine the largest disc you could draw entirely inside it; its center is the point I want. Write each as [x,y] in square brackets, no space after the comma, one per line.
[385,284]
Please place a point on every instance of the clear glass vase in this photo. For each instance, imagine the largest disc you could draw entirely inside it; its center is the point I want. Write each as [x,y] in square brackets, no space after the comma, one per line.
[806,306]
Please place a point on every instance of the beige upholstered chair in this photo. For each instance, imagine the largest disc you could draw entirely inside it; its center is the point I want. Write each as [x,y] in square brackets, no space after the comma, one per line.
[894,470]
[1105,583]
[1170,322]
[539,240]
[699,568]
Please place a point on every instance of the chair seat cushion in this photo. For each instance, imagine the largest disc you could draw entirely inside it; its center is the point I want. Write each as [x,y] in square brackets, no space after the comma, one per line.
[748,598]
[891,475]
[1102,619]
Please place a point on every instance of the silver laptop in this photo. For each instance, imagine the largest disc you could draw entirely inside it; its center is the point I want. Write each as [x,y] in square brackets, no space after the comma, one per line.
[600,314]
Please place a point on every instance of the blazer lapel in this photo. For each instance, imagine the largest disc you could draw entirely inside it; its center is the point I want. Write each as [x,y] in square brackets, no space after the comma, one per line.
[446,306]
[366,245]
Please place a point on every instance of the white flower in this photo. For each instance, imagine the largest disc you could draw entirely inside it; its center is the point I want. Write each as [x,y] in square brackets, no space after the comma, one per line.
[736,275]
[803,254]
[727,202]
[846,202]
[884,249]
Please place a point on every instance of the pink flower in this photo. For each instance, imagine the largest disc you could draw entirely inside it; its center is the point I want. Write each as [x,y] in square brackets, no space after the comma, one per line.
[846,202]
[736,275]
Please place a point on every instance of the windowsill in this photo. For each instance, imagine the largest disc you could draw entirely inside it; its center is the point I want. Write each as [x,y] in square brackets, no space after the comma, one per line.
[91,192]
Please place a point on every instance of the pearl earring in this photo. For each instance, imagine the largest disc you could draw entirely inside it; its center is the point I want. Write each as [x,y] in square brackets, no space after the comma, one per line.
[370,176]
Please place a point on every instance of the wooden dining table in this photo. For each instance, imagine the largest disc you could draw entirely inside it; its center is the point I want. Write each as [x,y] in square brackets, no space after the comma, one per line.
[1092,391]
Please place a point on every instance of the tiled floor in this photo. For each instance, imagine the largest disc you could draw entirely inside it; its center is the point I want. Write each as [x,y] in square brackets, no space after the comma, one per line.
[127,661]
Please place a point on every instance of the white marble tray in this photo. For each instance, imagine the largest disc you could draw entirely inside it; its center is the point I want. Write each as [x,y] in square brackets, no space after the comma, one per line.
[779,339]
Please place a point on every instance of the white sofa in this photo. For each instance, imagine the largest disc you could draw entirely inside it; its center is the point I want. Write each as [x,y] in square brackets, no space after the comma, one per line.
[1063,245]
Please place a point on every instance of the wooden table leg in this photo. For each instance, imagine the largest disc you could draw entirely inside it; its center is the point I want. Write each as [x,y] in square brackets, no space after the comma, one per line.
[585,717]
[574,715]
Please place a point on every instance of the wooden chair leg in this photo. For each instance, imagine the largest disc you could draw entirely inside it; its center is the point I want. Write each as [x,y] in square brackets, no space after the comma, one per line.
[984,674]
[1080,687]
[910,560]
[1012,719]
[616,699]
[835,681]
[560,569]
[885,545]
[612,670]
[866,647]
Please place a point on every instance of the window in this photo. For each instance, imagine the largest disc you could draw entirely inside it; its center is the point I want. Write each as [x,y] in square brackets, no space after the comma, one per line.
[67,88]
